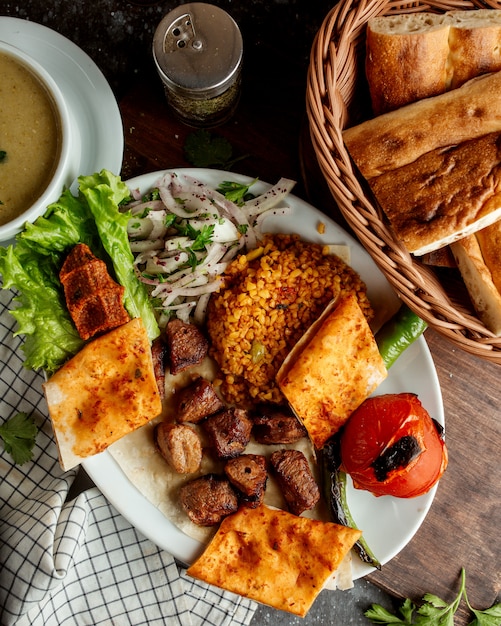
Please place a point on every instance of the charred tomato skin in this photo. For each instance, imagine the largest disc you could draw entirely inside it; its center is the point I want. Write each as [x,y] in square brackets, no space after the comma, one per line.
[391,446]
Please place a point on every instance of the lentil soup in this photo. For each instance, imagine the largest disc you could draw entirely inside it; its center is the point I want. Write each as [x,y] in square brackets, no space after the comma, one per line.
[29,138]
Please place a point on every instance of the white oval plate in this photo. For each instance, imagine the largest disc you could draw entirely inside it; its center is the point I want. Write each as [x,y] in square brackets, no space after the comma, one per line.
[97,131]
[388,523]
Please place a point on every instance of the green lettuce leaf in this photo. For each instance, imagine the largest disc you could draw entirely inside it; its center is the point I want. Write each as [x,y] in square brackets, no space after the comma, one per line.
[41,314]
[31,267]
[104,193]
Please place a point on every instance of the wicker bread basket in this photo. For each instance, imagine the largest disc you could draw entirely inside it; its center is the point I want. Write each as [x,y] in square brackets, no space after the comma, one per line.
[337,97]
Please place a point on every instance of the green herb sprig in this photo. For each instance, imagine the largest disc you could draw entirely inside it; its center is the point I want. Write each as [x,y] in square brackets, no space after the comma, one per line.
[434,611]
[200,238]
[19,435]
[236,192]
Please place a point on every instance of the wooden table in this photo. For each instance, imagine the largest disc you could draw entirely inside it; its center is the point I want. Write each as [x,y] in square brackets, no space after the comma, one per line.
[462,527]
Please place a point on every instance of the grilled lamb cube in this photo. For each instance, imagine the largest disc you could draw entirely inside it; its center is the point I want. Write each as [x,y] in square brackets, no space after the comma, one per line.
[197,401]
[248,474]
[208,499]
[295,479]
[229,432]
[276,425]
[180,446]
[186,344]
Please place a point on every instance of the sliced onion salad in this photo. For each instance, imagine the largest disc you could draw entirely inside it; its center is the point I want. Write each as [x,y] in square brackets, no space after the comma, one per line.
[183,234]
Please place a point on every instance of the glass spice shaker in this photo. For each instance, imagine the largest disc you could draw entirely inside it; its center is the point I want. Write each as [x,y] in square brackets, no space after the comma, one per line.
[198,49]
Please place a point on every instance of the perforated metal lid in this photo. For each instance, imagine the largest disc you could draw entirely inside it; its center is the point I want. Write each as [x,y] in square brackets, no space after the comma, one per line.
[198,49]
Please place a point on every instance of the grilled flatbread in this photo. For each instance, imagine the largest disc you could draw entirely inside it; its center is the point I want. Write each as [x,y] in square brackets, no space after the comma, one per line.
[332,370]
[274,557]
[104,392]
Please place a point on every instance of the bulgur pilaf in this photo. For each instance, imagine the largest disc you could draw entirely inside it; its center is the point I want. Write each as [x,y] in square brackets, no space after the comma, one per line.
[269,299]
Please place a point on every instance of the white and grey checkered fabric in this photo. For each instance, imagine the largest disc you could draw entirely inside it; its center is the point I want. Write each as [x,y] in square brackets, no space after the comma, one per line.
[79,561]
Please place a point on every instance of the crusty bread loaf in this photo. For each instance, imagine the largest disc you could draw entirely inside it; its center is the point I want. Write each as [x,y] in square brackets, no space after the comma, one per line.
[413,56]
[477,257]
[406,58]
[389,141]
[489,240]
[444,195]
[474,44]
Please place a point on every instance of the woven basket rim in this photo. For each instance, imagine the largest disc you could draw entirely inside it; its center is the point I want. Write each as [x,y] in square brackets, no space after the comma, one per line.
[334,75]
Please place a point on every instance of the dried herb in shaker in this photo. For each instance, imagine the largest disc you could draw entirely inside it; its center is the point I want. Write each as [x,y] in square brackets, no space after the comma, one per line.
[198,51]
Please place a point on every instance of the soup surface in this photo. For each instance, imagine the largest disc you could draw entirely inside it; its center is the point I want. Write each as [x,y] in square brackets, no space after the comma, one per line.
[29,138]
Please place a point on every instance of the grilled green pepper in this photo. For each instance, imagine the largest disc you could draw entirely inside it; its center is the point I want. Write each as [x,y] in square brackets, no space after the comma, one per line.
[334,484]
[398,334]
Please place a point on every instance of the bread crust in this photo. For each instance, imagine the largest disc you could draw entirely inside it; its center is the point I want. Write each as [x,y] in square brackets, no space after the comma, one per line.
[413,56]
[489,240]
[478,279]
[332,370]
[474,44]
[104,392]
[407,59]
[444,195]
[400,137]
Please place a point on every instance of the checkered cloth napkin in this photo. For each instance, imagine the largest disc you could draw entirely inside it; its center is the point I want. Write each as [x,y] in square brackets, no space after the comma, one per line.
[78,561]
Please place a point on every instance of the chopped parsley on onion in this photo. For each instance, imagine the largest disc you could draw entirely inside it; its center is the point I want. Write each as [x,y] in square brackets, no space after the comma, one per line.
[183,234]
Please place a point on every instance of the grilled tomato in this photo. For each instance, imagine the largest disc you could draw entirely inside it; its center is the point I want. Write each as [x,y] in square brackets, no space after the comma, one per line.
[391,446]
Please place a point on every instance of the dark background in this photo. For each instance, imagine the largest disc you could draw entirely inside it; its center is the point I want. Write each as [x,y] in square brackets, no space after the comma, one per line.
[118,35]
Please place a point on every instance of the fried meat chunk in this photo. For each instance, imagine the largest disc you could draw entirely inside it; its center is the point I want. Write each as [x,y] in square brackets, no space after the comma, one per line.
[295,479]
[248,474]
[180,446]
[93,298]
[187,346]
[208,499]
[276,425]
[229,432]
[197,401]
[158,355]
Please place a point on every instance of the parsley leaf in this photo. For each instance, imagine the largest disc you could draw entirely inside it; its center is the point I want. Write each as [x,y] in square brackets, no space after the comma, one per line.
[201,237]
[489,617]
[3,156]
[152,195]
[18,435]
[434,611]
[205,149]
[236,192]
[379,615]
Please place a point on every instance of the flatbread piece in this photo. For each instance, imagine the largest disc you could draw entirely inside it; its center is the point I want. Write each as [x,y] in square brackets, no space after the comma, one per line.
[329,374]
[104,392]
[274,557]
